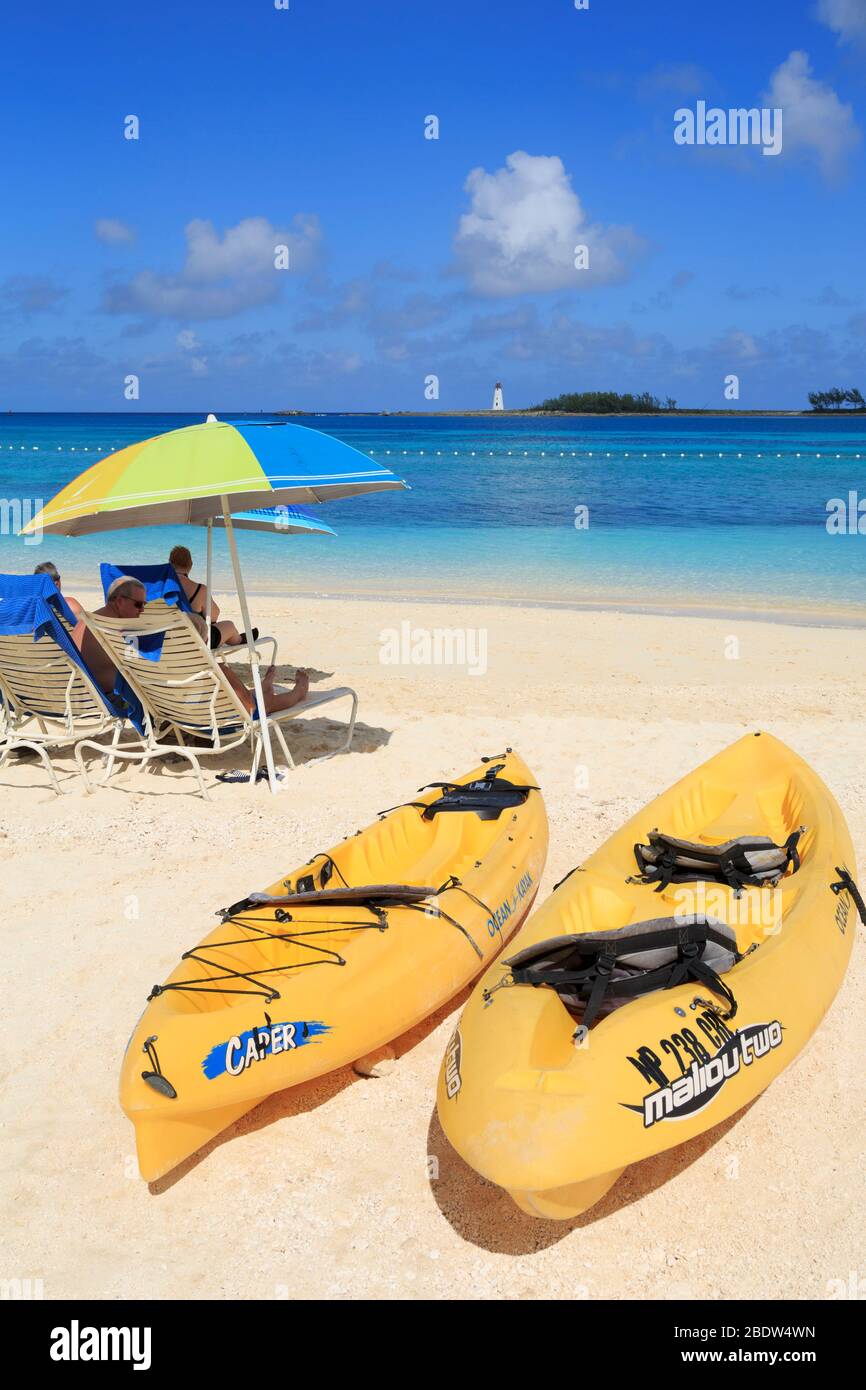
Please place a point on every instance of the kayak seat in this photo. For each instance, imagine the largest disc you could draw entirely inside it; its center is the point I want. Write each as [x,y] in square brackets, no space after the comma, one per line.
[487,797]
[596,972]
[753,861]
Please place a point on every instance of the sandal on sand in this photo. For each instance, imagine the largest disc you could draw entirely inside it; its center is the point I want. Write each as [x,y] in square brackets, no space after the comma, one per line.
[237,774]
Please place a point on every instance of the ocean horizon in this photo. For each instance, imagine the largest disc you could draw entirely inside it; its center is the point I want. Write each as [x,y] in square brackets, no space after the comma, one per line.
[720,514]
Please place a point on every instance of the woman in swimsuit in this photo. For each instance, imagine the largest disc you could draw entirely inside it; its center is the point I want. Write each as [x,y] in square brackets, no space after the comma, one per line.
[221,633]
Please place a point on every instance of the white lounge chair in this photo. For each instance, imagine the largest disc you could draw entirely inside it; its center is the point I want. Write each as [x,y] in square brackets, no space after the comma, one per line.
[50,701]
[184,692]
[158,607]
[152,576]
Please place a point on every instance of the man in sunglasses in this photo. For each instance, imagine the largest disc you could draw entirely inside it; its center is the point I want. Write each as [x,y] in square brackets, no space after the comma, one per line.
[126,599]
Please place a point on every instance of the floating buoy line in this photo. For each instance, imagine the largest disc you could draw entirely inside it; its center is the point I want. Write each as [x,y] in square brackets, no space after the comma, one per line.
[590,453]
[103,450]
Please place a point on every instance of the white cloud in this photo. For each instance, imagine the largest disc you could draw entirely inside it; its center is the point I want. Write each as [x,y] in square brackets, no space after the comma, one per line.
[221,276]
[524,224]
[247,249]
[187,340]
[114,232]
[847,18]
[815,122]
[166,296]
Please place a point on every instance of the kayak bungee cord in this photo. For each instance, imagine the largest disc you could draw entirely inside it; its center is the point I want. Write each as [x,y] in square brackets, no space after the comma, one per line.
[429,911]
[454,882]
[495,795]
[205,984]
[210,984]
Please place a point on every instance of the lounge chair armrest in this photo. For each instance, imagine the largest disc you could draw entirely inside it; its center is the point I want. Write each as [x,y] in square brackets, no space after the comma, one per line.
[315,699]
[196,676]
[226,650]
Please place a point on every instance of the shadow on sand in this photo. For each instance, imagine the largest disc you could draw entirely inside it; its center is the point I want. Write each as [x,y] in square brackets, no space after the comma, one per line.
[310,1095]
[308,739]
[485,1215]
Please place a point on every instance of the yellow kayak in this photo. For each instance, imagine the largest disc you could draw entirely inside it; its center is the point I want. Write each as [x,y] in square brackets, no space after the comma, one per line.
[662,986]
[335,959]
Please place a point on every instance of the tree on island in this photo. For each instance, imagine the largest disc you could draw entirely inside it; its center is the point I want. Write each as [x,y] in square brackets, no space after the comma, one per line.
[836,398]
[606,403]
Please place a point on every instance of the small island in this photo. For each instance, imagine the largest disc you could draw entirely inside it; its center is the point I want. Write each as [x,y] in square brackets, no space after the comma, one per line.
[835,401]
[604,403]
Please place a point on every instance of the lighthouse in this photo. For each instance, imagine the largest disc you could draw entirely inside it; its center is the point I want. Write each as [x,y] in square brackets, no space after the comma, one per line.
[498,403]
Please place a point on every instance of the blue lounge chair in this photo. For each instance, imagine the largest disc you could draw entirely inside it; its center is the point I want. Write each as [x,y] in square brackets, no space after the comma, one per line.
[163,590]
[48,698]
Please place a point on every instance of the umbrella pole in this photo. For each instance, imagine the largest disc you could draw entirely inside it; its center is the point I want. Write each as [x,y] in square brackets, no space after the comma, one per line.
[207,582]
[248,632]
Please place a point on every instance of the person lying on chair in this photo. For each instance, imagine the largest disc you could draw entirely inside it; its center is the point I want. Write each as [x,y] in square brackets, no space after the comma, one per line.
[126,599]
[275,700]
[78,631]
[222,633]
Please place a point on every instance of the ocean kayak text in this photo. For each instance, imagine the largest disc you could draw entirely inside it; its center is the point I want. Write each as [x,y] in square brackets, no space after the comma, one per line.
[507,908]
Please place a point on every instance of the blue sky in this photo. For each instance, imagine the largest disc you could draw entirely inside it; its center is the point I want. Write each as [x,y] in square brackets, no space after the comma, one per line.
[412,257]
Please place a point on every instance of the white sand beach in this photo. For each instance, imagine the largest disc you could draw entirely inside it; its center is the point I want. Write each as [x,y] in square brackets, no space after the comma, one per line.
[346,1188]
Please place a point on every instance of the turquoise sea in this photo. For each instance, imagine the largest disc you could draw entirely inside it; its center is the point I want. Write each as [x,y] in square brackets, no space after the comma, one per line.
[715,514]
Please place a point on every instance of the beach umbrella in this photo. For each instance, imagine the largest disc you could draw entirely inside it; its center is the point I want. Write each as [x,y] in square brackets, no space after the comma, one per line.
[202,472]
[182,477]
[280,521]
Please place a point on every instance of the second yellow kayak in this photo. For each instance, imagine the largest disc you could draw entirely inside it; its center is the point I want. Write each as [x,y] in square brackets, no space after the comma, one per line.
[662,986]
